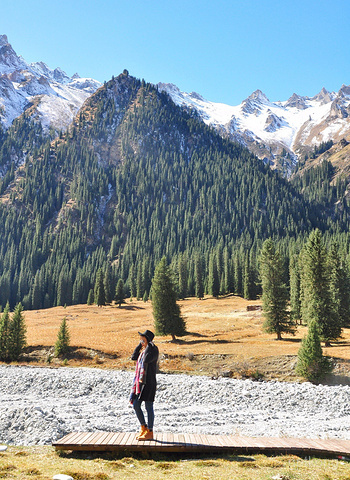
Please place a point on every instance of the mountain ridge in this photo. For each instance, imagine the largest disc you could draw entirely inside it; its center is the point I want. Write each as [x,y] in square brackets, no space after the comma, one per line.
[55,96]
[286,130]
[281,133]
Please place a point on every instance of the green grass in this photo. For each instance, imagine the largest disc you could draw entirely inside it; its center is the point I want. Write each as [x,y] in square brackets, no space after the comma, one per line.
[42,463]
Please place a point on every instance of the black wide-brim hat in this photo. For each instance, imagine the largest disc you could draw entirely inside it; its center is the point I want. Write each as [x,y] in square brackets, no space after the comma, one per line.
[148,334]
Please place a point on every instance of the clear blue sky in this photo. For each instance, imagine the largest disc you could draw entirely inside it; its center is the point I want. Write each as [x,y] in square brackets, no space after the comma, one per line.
[222,49]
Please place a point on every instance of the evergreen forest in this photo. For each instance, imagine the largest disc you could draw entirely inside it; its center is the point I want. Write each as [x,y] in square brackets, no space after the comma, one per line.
[135,179]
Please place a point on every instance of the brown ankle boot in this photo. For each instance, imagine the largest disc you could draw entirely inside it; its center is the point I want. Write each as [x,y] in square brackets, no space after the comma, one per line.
[143,430]
[148,435]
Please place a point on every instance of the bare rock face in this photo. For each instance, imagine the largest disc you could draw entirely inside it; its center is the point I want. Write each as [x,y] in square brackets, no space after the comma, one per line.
[296,101]
[273,122]
[253,105]
[338,110]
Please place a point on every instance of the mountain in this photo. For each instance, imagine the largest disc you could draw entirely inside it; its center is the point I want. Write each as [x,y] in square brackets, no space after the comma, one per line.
[280,133]
[50,96]
[134,178]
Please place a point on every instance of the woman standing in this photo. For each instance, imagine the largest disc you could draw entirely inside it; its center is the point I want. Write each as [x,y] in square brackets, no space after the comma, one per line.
[145,383]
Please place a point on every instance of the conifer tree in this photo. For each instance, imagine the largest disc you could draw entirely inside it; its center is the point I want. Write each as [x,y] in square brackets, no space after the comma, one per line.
[311,364]
[183,276]
[119,292]
[166,312]
[249,287]
[63,339]
[315,286]
[18,332]
[90,298]
[132,282]
[146,276]
[228,274]
[5,334]
[99,291]
[139,282]
[339,285]
[274,291]
[199,274]
[295,301]
[213,280]
[238,281]
[107,283]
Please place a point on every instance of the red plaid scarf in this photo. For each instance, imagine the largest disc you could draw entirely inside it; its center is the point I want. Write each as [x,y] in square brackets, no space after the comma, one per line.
[139,374]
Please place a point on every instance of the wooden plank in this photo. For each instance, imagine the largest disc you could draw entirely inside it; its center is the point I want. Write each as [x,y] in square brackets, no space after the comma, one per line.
[85,437]
[196,440]
[115,440]
[180,439]
[188,440]
[95,438]
[92,438]
[341,446]
[127,439]
[68,438]
[108,437]
[101,439]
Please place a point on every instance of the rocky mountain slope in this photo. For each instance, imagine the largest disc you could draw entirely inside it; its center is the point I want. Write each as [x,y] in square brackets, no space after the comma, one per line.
[281,133]
[50,96]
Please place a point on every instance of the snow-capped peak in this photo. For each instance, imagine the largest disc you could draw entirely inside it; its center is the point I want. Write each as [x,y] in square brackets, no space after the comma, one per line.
[3,40]
[57,96]
[269,128]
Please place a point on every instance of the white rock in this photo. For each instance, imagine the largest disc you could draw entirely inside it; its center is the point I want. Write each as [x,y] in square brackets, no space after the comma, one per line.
[61,476]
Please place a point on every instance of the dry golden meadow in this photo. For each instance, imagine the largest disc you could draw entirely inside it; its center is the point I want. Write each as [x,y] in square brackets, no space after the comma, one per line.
[223,338]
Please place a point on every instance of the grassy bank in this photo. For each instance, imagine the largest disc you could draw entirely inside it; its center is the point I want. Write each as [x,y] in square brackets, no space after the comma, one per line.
[43,463]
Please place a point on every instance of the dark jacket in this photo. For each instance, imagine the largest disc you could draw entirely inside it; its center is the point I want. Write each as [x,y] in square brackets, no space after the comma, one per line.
[149,386]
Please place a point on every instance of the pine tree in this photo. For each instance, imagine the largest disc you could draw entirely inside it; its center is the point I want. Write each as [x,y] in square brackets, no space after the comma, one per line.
[339,285]
[139,282]
[107,283]
[183,276]
[5,334]
[18,332]
[99,291]
[228,274]
[249,287]
[90,299]
[311,364]
[119,292]
[132,282]
[315,286]
[238,282]
[166,311]
[63,340]
[213,280]
[199,274]
[295,302]
[274,292]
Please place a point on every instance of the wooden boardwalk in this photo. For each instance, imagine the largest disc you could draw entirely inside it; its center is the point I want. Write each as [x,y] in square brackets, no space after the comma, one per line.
[196,443]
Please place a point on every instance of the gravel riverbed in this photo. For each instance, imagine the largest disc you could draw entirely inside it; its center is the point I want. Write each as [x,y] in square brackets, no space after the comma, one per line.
[40,405]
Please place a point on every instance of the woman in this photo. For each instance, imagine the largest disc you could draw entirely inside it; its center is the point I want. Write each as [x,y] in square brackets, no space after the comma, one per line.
[145,384]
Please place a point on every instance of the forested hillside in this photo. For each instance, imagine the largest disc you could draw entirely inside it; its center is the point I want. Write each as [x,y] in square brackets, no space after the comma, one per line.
[135,178]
